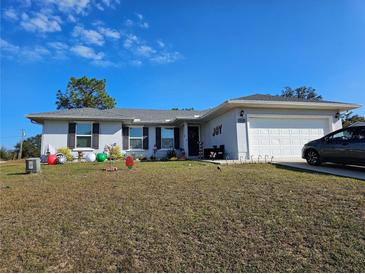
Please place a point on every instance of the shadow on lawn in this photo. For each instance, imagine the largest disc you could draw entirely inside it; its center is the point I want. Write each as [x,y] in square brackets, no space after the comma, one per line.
[17,173]
[291,168]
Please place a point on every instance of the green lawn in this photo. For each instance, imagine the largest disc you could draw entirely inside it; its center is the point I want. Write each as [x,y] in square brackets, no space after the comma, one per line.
[180,217]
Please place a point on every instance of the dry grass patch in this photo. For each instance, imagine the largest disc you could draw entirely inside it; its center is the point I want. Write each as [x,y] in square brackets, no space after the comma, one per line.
[179,216]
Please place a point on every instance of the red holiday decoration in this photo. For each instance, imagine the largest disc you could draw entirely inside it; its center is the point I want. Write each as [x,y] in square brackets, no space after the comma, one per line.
[52,159]
[129,162]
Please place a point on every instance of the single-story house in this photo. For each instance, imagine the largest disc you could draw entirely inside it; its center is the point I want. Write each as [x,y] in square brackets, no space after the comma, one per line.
[251,126]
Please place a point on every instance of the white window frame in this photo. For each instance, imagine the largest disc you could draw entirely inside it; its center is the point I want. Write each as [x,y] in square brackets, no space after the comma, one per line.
[129,139]
[173,138]
[83,135]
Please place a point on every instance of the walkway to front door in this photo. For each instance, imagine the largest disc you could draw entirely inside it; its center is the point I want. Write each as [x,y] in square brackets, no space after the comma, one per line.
[193,140]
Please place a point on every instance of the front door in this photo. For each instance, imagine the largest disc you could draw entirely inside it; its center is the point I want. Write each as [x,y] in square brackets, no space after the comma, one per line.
[193,140]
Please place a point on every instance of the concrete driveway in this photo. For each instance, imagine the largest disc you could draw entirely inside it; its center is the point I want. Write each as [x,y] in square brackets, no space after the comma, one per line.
[356,172]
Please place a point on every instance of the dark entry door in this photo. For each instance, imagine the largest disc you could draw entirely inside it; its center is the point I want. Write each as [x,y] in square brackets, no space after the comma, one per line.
[193,140]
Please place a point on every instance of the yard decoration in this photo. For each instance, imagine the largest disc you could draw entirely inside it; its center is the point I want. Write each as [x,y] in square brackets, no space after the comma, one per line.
[90,157]
[52,159]
[50,149]
[61,159]
[44,159]
[108,150]
[101,157]
[129,162]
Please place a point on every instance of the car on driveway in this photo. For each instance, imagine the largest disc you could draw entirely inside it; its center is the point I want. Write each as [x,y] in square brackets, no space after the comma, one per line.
[344,146]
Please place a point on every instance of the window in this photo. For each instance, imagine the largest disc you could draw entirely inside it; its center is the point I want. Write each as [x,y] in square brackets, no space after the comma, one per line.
[167,138]
[359,135]
[135,138]
[342,135]
[83,135]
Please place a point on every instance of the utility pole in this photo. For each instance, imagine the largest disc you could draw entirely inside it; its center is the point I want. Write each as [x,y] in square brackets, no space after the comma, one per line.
[21,144]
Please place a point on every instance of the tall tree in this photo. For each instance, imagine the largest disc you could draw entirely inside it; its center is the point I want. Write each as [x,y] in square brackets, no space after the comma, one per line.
[85,92]
[349,118]
[303,92]
[6,154]
[31,147]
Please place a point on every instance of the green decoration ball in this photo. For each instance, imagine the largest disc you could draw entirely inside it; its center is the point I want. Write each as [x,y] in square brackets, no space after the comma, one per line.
[101,157]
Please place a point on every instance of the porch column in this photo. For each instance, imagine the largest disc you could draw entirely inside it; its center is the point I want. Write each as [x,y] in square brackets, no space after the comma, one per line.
[185,139]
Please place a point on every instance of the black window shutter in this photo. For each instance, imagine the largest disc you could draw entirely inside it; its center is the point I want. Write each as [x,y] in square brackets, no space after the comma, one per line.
[145,138]
[158,137]
[177,138]
[71,135]
[95,138]
[125,133]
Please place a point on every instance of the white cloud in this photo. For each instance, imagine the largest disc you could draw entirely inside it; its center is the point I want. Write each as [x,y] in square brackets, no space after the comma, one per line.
[144,25]
[10,14]
[145,51]
[88,36]
[87,52]
[58,45]
[166,57]
[67,6]
[136,63]
[138,23]
[99,6]
[44,16]
[8,47]
[41,22]
[105,63]
[106,4]
[110,33]
[26,3]
[35,53]
[71,18]
[141,50]
[139,16]
[160,43]
[129,23]
[130,41]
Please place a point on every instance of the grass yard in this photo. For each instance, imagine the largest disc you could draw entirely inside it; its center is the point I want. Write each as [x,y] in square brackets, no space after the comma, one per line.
[179,217]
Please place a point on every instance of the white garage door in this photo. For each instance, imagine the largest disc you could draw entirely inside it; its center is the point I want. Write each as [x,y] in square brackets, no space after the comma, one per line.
[283,137]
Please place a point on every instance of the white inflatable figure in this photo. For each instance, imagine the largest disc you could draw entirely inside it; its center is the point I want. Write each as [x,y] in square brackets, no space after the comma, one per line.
[90,157]
[61,159]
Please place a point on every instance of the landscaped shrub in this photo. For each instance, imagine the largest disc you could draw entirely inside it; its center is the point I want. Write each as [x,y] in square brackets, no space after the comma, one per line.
[116,153]
[67,152]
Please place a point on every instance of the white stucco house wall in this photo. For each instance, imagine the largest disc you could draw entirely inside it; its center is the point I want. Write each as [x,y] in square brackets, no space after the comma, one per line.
[251,126]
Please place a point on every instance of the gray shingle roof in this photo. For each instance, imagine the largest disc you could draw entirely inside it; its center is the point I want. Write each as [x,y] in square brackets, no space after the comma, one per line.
[278,98]
[155,115]
[158,116]
[77,112]
[144,115]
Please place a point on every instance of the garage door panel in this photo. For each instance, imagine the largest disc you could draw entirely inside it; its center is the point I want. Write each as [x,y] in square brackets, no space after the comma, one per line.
[284,137]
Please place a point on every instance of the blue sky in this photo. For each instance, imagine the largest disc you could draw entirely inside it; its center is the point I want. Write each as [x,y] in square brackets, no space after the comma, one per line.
[164,54]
